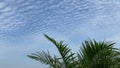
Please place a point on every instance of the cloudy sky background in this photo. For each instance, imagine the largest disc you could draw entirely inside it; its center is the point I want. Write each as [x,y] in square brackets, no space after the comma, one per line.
[23,22]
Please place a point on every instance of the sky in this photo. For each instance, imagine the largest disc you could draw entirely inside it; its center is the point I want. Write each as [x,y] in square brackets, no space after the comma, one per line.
[23,23]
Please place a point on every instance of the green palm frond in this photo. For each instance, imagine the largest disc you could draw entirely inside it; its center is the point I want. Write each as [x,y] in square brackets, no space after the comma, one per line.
[65,52]
[45,58]
[96,54]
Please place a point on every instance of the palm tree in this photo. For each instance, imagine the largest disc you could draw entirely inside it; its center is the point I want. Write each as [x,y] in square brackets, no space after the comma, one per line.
[66,59]
[98,55]
[92,54]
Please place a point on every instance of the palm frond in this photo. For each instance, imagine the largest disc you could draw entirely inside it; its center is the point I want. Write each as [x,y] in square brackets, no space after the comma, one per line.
[65,52]
[45,58]
[96,54]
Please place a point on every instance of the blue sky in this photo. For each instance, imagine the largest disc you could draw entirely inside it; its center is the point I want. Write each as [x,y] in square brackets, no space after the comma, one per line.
[23,22]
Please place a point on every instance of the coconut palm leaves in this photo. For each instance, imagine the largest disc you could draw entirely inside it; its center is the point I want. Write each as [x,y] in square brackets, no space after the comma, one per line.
[45,58]
[92,54]
[97,55]
[65,61]
[66,55]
